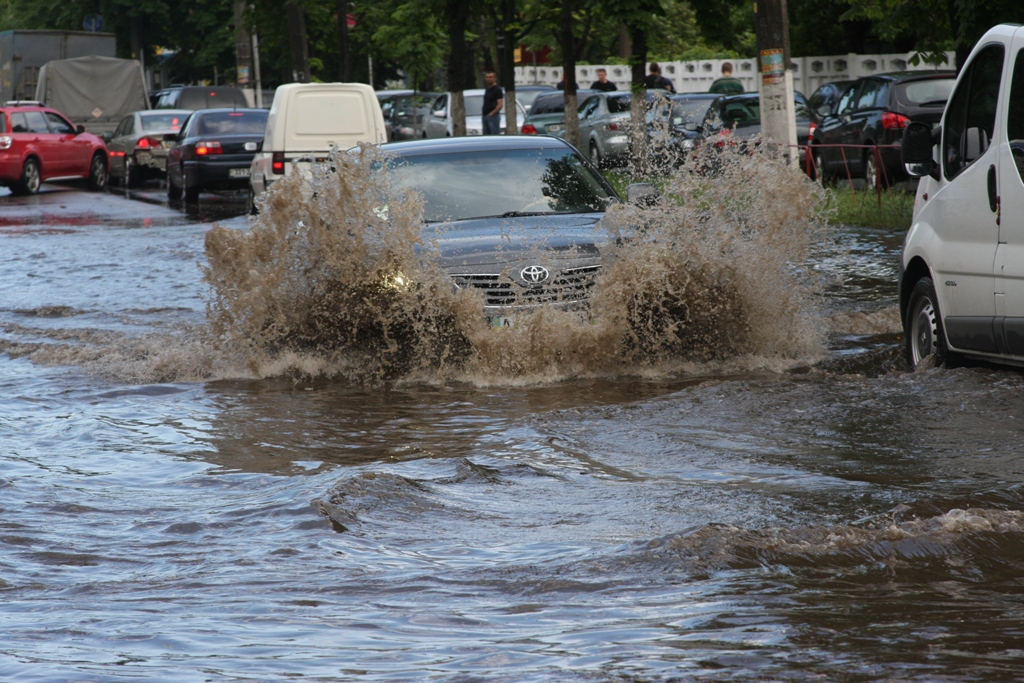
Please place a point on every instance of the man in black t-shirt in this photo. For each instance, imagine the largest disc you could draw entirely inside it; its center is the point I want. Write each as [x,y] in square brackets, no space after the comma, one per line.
[494,100]
[656,81]
[602,83]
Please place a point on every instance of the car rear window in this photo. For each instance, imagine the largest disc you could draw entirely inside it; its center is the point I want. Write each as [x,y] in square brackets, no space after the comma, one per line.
[618,104]
[933,92]
[232,123]
[549,104]
[162,121]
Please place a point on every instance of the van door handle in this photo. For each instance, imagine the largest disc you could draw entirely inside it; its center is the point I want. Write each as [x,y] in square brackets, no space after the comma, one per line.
[993,199]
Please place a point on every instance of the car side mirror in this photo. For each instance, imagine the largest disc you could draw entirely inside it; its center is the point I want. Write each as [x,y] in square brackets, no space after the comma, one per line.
[79,129]
[106,135]
[824,110]
[440,113]
[642,194]
[916,149]
[172,137]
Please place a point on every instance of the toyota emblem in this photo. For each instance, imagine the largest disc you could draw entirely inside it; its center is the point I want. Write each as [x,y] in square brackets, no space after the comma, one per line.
[534,274]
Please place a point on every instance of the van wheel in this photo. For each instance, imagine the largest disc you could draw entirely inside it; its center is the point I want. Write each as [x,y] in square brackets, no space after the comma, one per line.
[922,327]
[98,172]
[30,179]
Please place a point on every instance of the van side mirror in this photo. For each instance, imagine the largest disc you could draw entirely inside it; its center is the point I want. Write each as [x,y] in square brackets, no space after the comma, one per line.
[916,150]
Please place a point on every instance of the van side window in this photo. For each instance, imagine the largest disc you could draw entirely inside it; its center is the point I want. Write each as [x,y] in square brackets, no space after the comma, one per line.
[971,112]
[1015,114]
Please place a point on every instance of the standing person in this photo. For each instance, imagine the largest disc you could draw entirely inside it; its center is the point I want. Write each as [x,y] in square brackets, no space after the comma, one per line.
[602,83]
[494,100]
[727,84]
[655,80]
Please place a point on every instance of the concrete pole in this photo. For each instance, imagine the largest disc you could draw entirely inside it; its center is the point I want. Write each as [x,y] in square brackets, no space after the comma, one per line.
[778,115]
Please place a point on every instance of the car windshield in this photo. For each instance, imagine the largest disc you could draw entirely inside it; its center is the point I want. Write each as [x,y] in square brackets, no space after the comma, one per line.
[933,91]
[480,184]
[162,121]
[689,113]
[548,104]
[232,123]
[528,97]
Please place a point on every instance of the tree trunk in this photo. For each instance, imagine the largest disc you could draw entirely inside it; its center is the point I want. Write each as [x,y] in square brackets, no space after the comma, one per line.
[637,107]
[457,14]
[507,55]
[345,71]
[298,44]
[572,122]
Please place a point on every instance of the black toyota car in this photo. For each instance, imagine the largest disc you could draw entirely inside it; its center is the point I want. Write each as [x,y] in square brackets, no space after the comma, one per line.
[514,216]
[213,151]
[874,111]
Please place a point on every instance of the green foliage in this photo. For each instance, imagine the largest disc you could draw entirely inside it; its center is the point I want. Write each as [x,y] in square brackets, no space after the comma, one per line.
[413,36]
[847,206]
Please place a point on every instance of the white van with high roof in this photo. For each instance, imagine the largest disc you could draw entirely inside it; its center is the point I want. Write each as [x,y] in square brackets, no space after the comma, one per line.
[308,120]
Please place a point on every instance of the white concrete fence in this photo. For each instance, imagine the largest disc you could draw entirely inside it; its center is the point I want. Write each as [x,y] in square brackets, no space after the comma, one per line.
[808,72]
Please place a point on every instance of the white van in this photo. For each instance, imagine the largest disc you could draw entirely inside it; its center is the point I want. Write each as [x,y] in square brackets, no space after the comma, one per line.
[308,119]
[961,281]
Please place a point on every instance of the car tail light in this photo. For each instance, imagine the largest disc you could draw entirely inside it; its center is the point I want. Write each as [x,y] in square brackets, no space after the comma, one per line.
[810,131]
[892,120]
[529,129]
[147,143]
[613,126]
[208,147]
[6,141]
[277,163]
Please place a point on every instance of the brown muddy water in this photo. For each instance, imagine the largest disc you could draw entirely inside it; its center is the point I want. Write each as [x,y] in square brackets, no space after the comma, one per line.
[185,498]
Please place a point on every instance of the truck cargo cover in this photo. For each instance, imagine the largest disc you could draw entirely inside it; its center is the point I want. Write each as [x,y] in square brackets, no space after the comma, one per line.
[94,91]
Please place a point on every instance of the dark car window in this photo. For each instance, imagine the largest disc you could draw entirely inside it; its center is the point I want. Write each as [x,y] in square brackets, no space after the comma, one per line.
[58,125]
[441,103]
[618,104]
[971,113]
[589,107]
[549,104]
[3,123]
[230,123]
[882,95]
[847,101]
[168,100]
[466,185]
[866,94]
[1015,114]
[18,123]
[124,127]
[36,122]
[689,113]
[161,121]
[934,91]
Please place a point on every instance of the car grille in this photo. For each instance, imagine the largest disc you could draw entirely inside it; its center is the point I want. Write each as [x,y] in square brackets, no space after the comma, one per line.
[569,285]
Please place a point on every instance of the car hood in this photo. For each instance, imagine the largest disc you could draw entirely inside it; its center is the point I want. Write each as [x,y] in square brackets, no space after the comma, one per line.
[479,243]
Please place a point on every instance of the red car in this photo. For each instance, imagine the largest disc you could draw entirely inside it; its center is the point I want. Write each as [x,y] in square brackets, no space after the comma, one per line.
[38,144]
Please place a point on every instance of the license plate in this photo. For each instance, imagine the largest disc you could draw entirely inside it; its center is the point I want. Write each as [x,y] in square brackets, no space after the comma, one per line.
[496,321]
[238,173]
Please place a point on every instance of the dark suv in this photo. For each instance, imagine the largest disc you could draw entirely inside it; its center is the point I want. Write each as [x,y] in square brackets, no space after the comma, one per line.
[193,97]
[38,144]
[874,111]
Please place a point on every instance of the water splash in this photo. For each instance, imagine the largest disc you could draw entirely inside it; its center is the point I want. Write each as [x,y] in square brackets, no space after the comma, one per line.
[335,277]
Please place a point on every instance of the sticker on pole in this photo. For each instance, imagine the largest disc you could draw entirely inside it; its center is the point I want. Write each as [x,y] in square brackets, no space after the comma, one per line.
[773,67]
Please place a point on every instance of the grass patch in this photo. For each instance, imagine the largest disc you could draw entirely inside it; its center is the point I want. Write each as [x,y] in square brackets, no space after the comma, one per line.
[862,208]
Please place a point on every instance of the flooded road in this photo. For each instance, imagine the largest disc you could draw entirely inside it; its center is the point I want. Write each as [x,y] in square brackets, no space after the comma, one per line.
[839,520]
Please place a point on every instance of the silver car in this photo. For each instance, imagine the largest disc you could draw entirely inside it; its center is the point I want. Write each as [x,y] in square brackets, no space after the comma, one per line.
[604,125]
[137,150]
[438,123]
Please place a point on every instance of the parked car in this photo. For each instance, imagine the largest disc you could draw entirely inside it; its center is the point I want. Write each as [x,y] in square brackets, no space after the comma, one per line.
[526,95]
[604,121]
[213,151]
[524,235]
[195,97]
[547,115]
[404,112]
[675,127]
[739,118]
[874,111]
[138,148]
[439,123]
[39,144]
[823,101]
[961,277]
[306,121]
